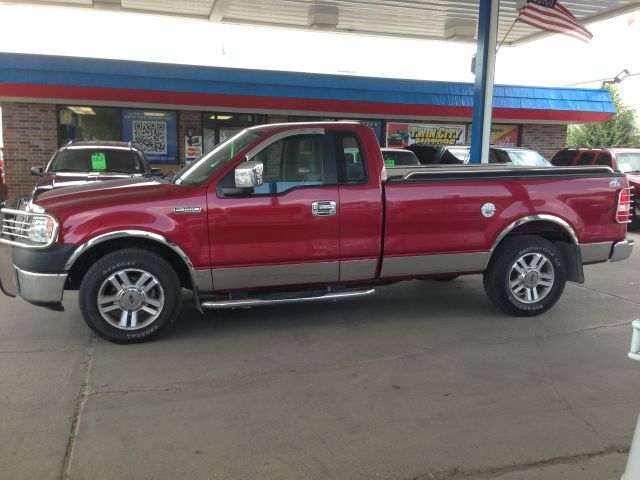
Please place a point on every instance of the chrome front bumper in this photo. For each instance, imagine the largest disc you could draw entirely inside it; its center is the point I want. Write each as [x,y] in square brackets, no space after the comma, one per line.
[39,288]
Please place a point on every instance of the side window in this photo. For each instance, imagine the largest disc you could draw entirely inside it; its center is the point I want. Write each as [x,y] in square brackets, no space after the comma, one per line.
[586,158]
[605,159]
[563,158]
[288,163]
[352,168]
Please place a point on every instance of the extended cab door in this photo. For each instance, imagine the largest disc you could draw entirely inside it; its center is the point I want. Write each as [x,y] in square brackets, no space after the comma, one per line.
[287,231]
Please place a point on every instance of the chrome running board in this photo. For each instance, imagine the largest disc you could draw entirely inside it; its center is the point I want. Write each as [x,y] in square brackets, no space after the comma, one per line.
[256,302]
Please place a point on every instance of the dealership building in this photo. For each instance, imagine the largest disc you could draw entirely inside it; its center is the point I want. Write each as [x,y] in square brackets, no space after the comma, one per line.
[177,112]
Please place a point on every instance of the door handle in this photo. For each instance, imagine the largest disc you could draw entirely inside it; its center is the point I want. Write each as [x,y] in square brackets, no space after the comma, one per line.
[323,208]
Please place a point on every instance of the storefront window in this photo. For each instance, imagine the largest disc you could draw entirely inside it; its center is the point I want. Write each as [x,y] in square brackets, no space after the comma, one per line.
[220,127]
[88,123]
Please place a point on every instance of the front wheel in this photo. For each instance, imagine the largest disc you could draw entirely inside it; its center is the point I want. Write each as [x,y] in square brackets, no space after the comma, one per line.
[526,276]
[130,296]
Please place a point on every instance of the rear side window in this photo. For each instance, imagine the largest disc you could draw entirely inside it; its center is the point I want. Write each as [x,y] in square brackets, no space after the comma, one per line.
[586,158]
[605,159]
[95,160]
[352,166]
[564,158]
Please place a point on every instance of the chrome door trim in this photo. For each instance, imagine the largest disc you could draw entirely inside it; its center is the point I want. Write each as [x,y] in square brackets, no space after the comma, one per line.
[197,279]
[533,218]
[432,264]
[595,252]
[279,136]
[351,270]
[231,278]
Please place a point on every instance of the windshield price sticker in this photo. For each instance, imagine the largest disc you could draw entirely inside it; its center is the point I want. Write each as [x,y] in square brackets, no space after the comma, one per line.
[389,163]
[98,161]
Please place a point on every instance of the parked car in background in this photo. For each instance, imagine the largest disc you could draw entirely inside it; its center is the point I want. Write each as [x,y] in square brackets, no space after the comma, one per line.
[513,156]
[395,157]
[429,154]
[624,160]
[3,186]
[459,154]
[82,162]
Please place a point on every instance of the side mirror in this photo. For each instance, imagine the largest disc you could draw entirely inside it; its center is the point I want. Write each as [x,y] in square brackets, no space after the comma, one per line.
[156,172]
[37,171]
[249,174]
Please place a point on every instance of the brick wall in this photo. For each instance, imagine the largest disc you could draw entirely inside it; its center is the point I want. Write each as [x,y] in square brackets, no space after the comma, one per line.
[30,138]
[544,139]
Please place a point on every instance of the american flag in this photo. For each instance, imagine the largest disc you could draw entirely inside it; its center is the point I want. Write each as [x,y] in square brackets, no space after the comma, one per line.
[551,16]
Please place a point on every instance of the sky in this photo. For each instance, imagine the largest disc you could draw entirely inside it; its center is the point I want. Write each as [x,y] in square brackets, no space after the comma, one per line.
[552,61]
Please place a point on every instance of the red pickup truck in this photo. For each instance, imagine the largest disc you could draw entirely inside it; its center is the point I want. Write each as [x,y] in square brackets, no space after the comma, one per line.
[307,212]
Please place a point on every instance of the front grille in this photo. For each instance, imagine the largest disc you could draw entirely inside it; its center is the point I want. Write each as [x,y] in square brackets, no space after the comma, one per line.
[14,227]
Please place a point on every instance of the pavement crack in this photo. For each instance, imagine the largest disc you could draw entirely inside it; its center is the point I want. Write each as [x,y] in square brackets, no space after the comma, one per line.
[458,473]
[42,350]
[606,294]
[79,407]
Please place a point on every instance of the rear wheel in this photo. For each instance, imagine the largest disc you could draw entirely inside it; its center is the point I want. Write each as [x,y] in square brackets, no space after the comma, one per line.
[130,296]
[526,276]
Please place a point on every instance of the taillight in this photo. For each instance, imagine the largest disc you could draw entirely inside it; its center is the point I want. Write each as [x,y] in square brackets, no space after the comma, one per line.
[1,171]
[625,202]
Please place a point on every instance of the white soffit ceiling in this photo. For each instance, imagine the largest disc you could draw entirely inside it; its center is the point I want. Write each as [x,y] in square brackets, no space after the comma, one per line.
[423,19]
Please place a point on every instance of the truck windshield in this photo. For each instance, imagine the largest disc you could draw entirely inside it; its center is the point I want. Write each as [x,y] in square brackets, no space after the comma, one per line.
[628,162]
[211,162]
[81,159]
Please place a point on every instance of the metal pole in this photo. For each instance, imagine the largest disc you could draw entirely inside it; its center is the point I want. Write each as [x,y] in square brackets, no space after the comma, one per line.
[483,89]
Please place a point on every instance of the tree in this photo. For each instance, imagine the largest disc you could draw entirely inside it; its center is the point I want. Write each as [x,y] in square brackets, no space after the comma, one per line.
[619,131]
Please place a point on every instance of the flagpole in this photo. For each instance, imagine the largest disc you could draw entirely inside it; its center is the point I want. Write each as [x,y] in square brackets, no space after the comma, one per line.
[507,34]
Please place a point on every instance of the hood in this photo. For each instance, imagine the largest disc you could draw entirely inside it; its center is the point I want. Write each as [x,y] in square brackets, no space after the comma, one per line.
[94,195]
[66,179]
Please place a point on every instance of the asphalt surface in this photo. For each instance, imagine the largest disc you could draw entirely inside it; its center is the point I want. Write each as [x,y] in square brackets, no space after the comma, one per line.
[425,380]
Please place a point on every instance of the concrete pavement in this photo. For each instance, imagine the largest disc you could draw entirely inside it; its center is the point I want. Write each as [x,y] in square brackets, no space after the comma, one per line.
[425,380]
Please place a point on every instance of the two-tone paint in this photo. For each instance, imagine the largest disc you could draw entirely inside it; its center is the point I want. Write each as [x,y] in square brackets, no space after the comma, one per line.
[403,228]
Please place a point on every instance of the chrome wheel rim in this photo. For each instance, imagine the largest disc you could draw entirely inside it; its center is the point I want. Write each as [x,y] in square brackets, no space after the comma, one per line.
[130,299]
[531,277]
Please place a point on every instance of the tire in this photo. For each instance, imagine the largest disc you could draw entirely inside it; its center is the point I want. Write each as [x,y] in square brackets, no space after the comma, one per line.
[130,296]
[526,276]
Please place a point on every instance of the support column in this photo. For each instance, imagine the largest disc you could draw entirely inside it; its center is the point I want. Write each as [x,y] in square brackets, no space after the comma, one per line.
[483,90]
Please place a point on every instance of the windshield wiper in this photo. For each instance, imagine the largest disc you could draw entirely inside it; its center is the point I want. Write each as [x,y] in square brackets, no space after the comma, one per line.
[64,170]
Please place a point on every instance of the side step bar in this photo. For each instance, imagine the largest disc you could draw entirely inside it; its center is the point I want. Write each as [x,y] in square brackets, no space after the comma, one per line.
[256,302]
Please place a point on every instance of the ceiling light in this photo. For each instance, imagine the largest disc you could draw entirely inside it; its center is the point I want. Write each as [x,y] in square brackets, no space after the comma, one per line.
[323,17]
[459,29]
[82,110]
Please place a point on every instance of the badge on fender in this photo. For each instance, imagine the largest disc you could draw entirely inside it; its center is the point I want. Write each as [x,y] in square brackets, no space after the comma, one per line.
[187,210]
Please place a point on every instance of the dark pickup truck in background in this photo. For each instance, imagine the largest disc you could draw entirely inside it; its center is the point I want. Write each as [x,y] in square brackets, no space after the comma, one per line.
[297,212]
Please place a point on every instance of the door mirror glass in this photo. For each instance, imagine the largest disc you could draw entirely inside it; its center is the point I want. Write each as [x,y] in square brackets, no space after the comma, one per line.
[37,171]
[249,174]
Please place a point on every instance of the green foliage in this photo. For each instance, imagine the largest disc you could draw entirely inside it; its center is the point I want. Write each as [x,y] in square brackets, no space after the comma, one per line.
[619,131]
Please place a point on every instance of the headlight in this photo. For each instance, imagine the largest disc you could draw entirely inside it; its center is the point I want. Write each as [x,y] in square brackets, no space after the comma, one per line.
[41,229]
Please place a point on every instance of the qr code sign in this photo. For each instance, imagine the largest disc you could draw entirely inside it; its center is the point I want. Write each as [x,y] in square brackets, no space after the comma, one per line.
[151,135]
